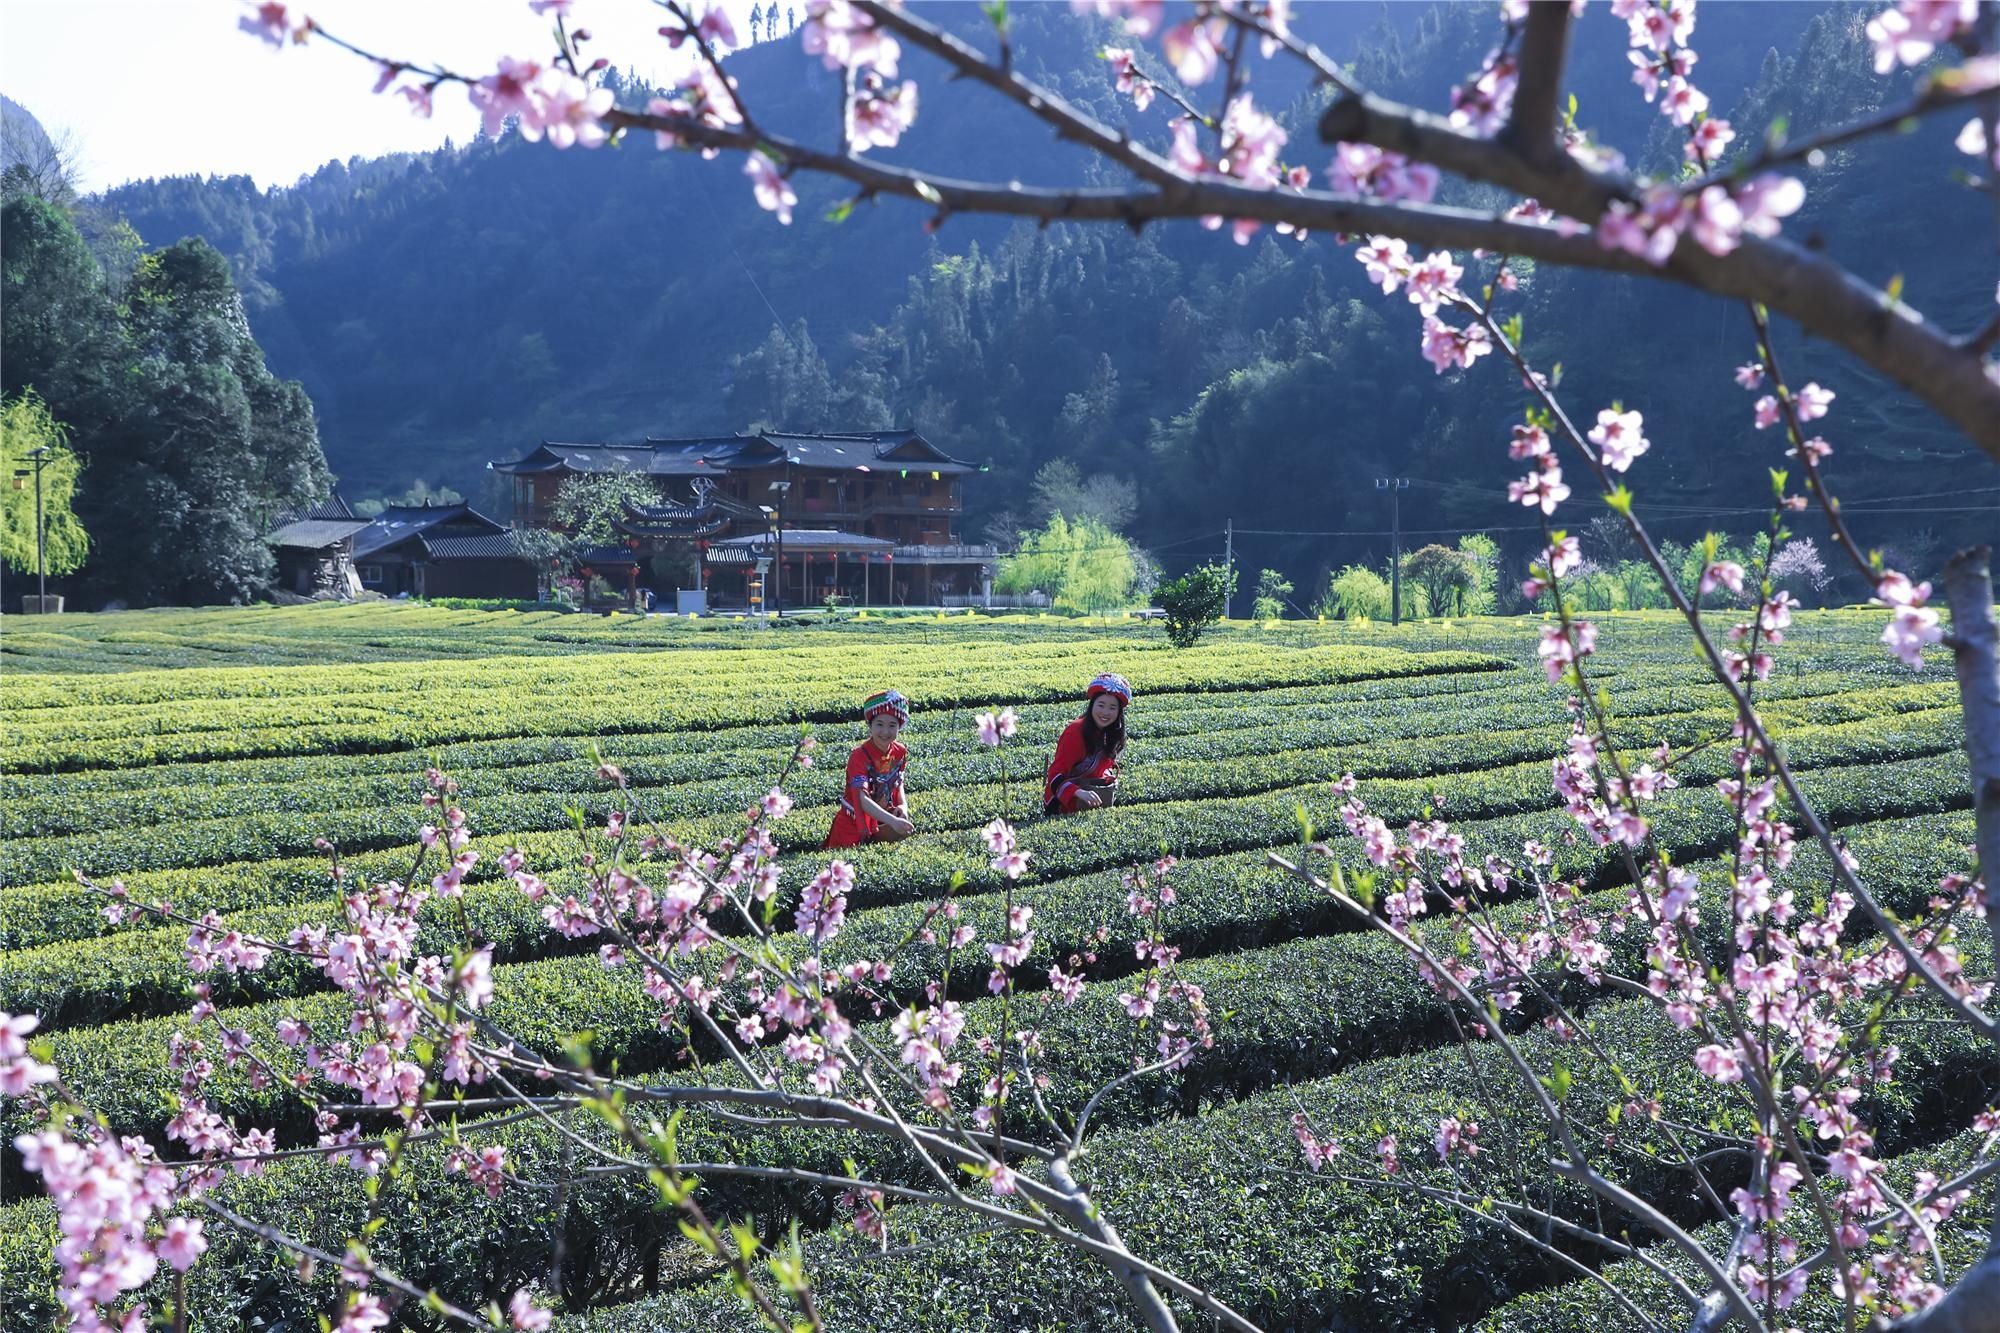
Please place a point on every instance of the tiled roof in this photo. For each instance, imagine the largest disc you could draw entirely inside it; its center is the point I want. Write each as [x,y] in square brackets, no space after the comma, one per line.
[482,546]
[333,506]
[314,534]
[861,451]
[401,522]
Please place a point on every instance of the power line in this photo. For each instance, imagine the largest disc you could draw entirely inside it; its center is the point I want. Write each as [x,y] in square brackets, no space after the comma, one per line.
[1199,537]
[1169,550]
[1863,505]
[755,286]
[1930,495]
[1536,527]
[1930,509]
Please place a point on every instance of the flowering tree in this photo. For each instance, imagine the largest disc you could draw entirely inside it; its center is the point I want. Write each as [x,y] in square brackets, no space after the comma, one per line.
[1799,561]
[1577,202]
[419,1061]
[1783,1004]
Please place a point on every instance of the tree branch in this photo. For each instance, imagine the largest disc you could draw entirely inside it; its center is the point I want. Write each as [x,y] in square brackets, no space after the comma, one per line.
[1738,697]
[1823,297]
[1570,1164]
[1936,96]
[1069,122]
[1082,1214]
[1531,130]
[1971,1306]
[1968,586]
[1424,224]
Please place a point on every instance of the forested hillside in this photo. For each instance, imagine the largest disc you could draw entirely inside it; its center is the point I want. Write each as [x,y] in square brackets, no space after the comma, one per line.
[446,309]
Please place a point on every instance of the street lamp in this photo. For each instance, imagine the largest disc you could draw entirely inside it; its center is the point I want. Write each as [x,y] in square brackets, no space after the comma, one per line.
[1395,486]
[762,575]
[779,488]
[40,456]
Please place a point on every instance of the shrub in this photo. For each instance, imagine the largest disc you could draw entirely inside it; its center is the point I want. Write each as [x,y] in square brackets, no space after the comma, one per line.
[1194,601]
[1356,593]
[1273,590]
[1084,566]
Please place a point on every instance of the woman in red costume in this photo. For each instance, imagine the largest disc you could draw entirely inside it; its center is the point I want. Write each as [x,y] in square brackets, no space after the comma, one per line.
[1084,773]
[872,806]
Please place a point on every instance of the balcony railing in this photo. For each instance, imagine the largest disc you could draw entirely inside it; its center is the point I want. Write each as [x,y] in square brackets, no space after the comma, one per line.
[849,507]
[949,553]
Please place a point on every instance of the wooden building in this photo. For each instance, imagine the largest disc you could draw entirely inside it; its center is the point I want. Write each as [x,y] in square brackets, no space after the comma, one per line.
[315,549]
[845,502]
[449,550]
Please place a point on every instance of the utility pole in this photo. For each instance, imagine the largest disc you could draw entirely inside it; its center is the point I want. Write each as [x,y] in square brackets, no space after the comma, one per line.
[1228,564]
[41,534]
[1395,486]
[41,460]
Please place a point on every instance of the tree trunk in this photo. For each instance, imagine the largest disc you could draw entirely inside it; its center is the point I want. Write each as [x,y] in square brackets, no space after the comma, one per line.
[1973,1304]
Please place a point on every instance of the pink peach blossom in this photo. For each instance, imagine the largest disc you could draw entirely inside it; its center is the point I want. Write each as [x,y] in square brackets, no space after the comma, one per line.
[774,193]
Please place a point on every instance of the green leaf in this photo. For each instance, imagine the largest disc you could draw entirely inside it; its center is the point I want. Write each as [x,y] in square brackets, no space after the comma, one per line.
[1560,1081]
[1620,499]
[996,13]
[671,1195]
[577,1047]
[840,211]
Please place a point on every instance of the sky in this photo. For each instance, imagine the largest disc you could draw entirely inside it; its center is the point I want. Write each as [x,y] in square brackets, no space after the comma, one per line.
[171,87]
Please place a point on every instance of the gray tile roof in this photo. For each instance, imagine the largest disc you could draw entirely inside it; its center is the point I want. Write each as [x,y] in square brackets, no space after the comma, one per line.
[483,546]
[401,522]
[313,534]
[861,451]
[606,555]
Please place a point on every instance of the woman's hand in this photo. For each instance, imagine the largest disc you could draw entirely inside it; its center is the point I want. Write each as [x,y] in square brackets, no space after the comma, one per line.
[1089,800]
[900,825]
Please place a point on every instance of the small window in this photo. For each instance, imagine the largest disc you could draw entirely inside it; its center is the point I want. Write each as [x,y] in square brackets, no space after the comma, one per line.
[371,575]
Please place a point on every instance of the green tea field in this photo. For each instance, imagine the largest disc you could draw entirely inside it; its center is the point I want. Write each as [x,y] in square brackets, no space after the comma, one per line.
[198,756]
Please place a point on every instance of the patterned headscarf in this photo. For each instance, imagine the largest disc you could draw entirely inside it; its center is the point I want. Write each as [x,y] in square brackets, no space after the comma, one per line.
[888,701]
[1110,684]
